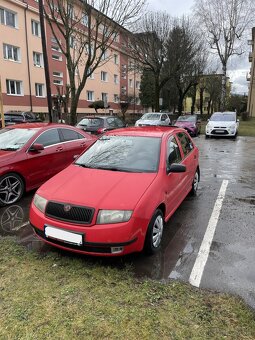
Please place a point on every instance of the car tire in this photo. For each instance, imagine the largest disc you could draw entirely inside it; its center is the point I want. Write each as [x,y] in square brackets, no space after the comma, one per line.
[195,182]
[206,136]
[154,233]
[11,189]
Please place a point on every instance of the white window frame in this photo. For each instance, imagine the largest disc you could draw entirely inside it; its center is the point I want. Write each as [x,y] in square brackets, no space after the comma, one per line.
[104,97]
[35,25]
[56,48]
[35,59]
[58,81]
[6,54]
[116,79]
[39,88]
[90,96]
[137,84]
[104,76]
[8,87]
[116,98]
[85,19]
[131,83]
[57,74]
[57,57]
[91,76]
[116,59]
[4,18]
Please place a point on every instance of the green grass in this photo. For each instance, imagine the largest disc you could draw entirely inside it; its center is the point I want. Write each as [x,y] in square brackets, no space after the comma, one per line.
[246,128]
[61,297]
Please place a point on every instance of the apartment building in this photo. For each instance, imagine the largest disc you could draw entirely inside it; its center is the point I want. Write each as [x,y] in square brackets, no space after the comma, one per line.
[22,68]
[251,77]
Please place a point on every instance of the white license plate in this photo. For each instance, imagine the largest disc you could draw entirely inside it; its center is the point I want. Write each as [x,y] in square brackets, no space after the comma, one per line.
[63,235]
[220,131]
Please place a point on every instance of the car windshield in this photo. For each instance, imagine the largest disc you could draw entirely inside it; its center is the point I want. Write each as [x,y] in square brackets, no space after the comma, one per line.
[14,139]
[186,119]
[123,153]
[90,122]
[221,117]
[151,116]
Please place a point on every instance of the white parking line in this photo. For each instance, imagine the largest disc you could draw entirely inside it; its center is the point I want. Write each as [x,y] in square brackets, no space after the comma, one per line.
[202,256]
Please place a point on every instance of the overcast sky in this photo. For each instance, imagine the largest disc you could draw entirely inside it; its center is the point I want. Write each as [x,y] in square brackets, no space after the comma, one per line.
[238,66]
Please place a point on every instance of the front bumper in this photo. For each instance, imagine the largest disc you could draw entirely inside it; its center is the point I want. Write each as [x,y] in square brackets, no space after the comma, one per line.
[107,240]
[228,132]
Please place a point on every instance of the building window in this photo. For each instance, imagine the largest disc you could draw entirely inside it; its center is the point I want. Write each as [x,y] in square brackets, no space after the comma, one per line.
[72,41]
[38,59]
[8,18]
[55,48]
[130,82]
[103,76]
[58,74]
[36,30]
[57,57]
[91,76]
[116,59]
[104,55]
[11,52]
[115,98]
[39,90]
[85,19]
[104,97]
[90,96]
[57,81]
[137,84]
[14,87]
[116,37]
[116,80]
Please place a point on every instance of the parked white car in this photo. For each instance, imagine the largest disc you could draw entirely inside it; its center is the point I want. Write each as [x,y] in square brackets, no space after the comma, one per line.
[153,118]
[222,124]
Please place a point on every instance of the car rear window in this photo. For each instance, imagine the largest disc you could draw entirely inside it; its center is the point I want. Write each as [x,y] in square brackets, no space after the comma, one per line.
[91,122]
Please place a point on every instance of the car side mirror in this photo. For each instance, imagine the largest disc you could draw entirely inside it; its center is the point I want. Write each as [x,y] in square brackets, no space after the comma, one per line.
[176,168]
[36,147]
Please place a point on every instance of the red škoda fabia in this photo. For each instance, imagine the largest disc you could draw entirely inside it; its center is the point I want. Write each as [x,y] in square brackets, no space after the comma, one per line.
[115,198]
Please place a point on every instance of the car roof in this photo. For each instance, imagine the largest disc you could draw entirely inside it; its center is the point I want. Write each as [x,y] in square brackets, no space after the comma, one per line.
[225,112]
[144,131]
[100,117]
[37,125]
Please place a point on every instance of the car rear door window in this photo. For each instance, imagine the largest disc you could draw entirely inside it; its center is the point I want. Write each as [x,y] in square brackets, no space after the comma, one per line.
[48,138]
[69,135]
[173,151]
[111,122]
[119,122]
[186,143]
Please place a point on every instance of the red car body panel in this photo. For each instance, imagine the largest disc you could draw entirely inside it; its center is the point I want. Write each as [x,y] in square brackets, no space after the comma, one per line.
[37,167]
[142,193]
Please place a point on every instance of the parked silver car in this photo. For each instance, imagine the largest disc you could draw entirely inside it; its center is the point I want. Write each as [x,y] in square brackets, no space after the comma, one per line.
[153,118]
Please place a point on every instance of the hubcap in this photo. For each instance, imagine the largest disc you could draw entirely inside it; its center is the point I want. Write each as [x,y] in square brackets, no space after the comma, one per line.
[195,182]
[157,231]
[10,189]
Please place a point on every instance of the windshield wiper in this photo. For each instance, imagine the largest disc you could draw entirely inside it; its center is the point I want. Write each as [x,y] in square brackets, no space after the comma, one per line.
[85,165]
[9,149]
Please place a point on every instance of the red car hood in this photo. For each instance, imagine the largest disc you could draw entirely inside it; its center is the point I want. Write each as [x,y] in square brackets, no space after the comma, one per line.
[102,189]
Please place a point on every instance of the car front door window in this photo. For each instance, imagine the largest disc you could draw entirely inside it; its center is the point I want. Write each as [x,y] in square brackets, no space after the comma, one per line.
[49,138]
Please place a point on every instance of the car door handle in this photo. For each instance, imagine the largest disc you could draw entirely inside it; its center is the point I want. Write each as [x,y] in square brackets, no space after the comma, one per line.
[59,148]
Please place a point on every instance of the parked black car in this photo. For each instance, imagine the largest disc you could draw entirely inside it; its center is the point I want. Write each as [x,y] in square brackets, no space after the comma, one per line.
[17,117]
[99,124]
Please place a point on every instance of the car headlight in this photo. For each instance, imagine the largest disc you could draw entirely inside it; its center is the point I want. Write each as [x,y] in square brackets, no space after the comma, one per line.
[113,216]
[40,202]
[232,126]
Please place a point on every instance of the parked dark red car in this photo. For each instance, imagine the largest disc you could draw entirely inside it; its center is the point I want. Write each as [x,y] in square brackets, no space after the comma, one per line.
[190,123]
[32,153]
[115,198]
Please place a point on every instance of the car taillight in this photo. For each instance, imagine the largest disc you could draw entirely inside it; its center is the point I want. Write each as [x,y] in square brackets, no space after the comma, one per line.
[101,130]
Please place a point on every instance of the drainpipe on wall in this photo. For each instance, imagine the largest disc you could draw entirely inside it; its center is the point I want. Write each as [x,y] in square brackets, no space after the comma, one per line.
[28,62]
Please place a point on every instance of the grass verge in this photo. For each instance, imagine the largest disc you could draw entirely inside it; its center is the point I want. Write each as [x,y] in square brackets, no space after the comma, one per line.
[62,298]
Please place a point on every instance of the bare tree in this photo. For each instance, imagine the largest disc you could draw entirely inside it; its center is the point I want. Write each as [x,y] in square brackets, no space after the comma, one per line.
[225,22]
[84,31]
[148,47]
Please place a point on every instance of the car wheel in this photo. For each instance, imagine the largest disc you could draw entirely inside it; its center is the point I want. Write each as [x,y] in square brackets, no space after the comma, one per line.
[195,184]
[11,189]
[154,233]
[206,136]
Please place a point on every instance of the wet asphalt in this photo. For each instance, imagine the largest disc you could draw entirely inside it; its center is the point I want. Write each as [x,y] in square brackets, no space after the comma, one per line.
[230,266]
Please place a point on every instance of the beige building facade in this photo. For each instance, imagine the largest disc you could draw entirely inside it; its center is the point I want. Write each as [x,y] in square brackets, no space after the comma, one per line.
[251,77]
[22,68]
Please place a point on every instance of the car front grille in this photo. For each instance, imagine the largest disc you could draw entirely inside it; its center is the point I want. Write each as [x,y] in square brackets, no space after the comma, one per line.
[69,213]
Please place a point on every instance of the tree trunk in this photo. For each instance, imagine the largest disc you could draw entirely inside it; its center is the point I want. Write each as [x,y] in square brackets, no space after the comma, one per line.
[201,99]
[180,102]
[193,99]
[73,109]
[223,88]
[157,93]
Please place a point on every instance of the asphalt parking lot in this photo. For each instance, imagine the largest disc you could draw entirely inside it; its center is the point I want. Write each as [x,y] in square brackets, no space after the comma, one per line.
[209,241]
